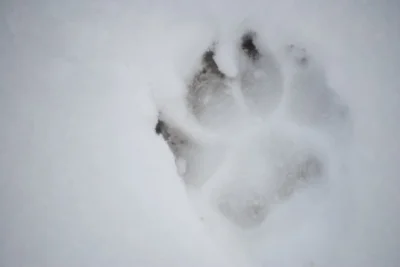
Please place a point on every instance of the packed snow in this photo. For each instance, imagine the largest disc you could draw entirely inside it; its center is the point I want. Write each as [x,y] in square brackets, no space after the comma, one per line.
[299,168]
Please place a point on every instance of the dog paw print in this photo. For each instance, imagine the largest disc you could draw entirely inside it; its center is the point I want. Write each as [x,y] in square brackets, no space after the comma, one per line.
[295,84]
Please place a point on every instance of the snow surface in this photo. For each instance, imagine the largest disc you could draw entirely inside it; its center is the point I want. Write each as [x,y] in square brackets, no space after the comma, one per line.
[85,181]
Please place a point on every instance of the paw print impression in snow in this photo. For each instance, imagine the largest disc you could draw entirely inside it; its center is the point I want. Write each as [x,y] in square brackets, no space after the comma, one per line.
[277,161]
[260,77]
[208,93]
[212,100]
[269,170]
[310,99]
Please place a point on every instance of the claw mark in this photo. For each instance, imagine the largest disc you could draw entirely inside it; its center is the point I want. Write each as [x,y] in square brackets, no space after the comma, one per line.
[249,47]
[160,126]
[176,141]
[207,85]
[209,64]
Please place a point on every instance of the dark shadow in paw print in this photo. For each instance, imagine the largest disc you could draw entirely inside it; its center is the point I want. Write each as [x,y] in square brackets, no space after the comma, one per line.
[175,139]
[160,127]
[249,47]
[209,64]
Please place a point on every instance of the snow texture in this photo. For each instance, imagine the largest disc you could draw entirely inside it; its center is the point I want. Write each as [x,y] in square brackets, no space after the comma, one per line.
[287,157]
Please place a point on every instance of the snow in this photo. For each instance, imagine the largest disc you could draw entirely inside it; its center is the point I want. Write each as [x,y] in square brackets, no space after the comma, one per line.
[85,181]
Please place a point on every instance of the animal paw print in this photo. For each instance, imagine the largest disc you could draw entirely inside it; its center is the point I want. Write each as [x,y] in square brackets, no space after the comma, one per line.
[310,100]
[211,97]
[261,87]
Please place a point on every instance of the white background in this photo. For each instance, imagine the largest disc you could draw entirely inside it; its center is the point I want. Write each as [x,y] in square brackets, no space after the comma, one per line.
[84,181]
